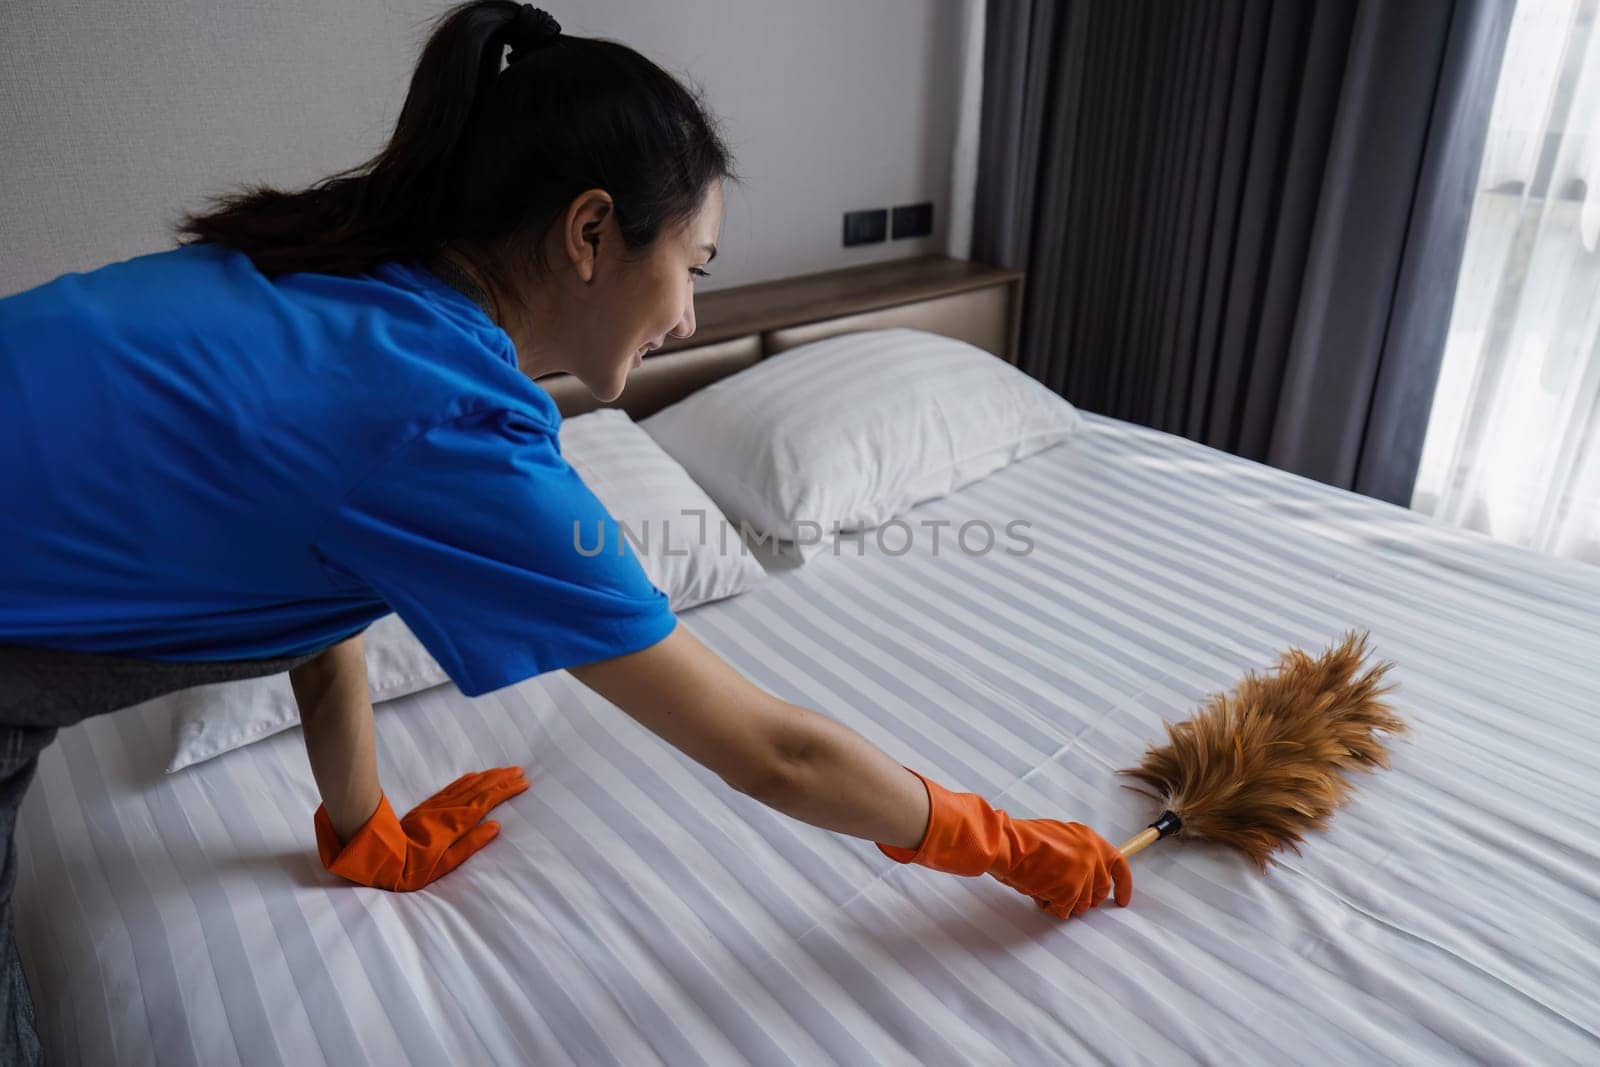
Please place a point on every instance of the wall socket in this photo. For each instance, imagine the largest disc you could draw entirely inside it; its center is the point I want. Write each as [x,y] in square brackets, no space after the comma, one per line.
[865,227]
[913,220]
[873,225]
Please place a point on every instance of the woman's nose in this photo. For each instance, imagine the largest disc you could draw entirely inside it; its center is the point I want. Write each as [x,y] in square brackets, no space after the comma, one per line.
[685,327]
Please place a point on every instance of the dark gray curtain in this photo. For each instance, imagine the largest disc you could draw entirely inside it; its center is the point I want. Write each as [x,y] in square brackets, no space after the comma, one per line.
[1241,219]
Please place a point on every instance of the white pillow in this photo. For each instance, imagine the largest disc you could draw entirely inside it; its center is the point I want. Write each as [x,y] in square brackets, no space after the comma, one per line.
[685,544]
[208,720]
[643,488]
[850,431]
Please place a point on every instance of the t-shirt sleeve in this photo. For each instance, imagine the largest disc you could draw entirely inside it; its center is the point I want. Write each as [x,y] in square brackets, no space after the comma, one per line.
[490,547]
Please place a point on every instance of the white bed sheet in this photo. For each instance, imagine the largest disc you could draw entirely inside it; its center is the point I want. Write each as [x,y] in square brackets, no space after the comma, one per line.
[634,910]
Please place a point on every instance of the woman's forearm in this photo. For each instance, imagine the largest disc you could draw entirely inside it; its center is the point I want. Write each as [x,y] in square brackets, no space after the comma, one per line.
[791,758]
[336,718]
[846,784]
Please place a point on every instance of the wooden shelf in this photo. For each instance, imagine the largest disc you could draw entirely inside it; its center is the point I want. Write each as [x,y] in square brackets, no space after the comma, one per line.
[748,309]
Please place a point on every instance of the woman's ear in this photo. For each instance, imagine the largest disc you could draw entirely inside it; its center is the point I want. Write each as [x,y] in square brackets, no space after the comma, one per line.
[586,218]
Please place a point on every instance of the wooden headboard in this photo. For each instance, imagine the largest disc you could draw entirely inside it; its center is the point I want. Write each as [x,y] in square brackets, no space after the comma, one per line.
[738,327]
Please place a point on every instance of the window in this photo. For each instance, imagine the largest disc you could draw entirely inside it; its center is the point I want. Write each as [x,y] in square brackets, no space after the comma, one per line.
[1513,441]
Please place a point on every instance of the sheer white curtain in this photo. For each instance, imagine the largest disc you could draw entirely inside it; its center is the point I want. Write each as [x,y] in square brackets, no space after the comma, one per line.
[1513,441]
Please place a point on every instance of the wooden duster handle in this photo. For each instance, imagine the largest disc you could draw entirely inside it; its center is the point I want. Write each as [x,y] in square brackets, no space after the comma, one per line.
[1148,836]
[1165,826]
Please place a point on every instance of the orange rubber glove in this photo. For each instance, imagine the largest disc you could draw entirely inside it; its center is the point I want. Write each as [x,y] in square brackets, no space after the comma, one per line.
[1066,868]
[432,840]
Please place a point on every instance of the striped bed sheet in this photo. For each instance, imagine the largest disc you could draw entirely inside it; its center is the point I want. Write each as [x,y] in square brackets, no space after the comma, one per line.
[634,910]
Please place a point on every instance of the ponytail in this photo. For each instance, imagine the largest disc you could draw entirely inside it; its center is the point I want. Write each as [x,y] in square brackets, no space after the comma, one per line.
[489,154]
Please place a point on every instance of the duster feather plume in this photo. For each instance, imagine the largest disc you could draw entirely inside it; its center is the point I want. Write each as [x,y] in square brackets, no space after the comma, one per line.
[1259,769]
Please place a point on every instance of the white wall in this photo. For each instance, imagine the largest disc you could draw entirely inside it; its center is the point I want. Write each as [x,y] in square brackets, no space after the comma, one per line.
[117,116]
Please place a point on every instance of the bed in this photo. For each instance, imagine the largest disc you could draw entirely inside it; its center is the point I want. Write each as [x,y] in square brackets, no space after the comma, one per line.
[634,910]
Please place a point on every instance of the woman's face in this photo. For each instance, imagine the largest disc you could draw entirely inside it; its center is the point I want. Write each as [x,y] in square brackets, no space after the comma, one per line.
[624,303]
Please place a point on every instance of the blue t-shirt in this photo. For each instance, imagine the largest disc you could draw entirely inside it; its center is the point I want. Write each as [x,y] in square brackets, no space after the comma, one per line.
[200,462]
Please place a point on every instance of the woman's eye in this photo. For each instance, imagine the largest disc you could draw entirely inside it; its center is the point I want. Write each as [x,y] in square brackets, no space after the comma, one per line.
[698,273]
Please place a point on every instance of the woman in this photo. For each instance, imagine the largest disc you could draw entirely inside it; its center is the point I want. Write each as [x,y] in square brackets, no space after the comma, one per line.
[229,458]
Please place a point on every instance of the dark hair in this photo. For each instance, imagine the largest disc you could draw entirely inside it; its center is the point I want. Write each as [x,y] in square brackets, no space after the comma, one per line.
[491,155]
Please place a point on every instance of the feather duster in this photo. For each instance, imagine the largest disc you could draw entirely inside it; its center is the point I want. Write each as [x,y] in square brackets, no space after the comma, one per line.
[1259,769]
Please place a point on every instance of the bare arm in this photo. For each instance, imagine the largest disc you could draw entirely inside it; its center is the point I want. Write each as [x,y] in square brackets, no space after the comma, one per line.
[792,759]
[336,717]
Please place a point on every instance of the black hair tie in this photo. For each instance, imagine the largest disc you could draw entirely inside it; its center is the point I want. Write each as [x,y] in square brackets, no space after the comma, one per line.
[530,29]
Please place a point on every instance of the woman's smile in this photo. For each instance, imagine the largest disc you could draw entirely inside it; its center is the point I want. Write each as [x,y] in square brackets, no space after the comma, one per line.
[644,350]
